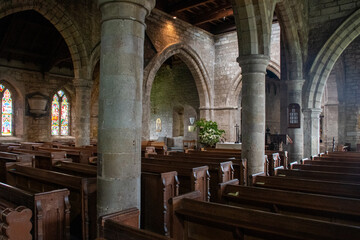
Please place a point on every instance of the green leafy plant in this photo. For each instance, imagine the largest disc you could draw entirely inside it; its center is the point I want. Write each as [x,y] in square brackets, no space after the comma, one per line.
[209,133]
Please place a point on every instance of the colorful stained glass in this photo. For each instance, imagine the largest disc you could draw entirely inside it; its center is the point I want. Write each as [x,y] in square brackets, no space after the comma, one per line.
[64,116]
[2,87]
[61,93]
[55,124]
[60,114]
[6,124]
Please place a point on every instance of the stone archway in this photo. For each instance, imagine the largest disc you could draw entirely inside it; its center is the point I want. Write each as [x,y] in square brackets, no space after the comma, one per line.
[327,57]
[61,21]
[196,67]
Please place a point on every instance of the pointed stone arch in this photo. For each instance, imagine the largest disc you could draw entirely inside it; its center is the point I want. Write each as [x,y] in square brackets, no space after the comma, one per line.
[59,17]
[327,57]
[196,67]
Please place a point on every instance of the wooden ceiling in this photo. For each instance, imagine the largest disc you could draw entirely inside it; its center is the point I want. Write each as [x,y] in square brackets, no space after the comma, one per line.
[30,38]
[214,16]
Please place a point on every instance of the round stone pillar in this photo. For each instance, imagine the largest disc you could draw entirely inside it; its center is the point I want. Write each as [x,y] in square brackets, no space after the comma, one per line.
[296,150]
[120,103]
[311,131]
[82,111]
[253,110]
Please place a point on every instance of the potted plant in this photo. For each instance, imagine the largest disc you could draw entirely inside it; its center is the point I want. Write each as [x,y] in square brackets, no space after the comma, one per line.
[209,134]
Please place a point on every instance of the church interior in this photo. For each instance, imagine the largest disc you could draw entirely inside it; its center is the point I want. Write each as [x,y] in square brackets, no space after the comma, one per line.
[179,119]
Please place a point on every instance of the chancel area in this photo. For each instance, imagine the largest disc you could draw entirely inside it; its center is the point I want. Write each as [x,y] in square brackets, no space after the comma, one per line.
[179,119]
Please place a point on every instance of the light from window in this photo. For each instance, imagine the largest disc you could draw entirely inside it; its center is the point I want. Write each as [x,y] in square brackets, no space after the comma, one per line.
[60,114]
[6,112]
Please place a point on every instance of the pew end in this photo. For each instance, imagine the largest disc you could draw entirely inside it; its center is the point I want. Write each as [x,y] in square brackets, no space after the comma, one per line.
[128,217]
[221,188]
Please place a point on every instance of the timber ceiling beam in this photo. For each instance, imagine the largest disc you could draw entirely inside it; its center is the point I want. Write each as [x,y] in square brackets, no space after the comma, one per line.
[213,16]
[186,5]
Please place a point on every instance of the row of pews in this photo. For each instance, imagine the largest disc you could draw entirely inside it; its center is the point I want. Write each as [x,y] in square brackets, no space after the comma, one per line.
[198,195]
[320,201]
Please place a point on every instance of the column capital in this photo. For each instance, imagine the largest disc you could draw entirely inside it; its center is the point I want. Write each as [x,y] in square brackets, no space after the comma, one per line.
[312,113]
[295,84]
[135,10]
[82,83]
[254,63]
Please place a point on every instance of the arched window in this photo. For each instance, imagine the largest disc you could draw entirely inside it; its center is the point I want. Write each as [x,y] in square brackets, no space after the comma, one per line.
[6,111]
[60,108]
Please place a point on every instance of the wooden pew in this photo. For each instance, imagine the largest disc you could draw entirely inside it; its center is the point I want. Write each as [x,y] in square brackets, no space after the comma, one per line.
[190,178]
[127,217]
[8,160]
[219,172]
[30,145]
[239,165]
[315,206]
[204,220]
[44,159]
[82,194]
[333,163]
[79,155]
[341,189]
[156,190]
[117,231]
[14,221]
[337,158]
[317,175]
[77,169]
[51,210]
[322,168]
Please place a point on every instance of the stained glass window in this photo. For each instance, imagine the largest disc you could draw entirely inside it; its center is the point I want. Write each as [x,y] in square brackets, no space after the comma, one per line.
[6,112]
[60,114]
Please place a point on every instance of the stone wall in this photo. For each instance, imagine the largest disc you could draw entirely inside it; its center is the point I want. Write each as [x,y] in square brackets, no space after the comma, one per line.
[325,16]
[173,99]
[351,58]
[28,128]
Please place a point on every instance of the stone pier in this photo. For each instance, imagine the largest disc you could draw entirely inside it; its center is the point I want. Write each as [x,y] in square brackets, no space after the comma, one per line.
[253,110]
[120,103]
[296,150]
[82,120]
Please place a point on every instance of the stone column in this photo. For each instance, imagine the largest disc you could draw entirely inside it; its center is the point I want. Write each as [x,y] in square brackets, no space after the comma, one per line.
[296,150]
[120,103]
[311,131]
[253,110]
[82,111]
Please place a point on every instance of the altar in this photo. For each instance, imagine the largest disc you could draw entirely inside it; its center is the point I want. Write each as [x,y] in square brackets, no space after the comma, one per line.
[228,145]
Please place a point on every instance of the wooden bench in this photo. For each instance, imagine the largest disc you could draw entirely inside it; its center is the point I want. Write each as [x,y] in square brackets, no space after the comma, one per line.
[14,221]
[114,230]
[77,169]
[44,159]
[323,168]
[30,145]
[310,186]
[336,158]
[315,206]
[317,175]
[51,210]
[127,217]
[156,190]
[82,195]
[239,165]
[197,220]
[190,178]
[219,172]
[79,155]
[6,162]
[333,163]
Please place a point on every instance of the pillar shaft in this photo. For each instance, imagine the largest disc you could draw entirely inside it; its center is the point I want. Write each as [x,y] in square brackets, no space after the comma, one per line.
[82,112]
[311,131]
[296,150]
[253,110]
[120,103]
